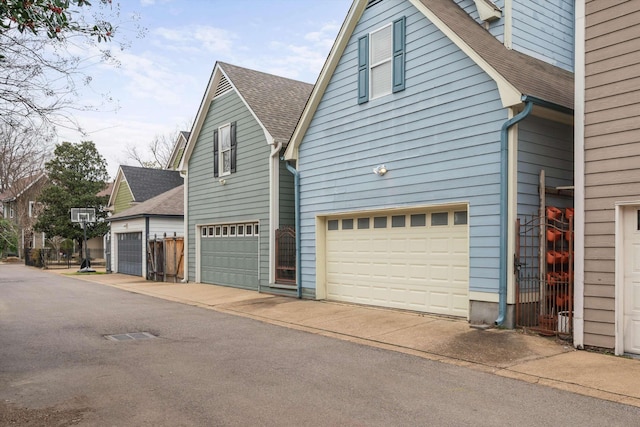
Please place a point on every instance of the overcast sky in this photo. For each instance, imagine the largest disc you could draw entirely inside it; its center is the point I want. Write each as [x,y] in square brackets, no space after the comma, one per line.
[162,77]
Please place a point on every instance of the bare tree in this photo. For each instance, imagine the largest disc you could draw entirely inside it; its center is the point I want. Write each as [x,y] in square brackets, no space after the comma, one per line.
[23,152]
[41,77]
[157,153]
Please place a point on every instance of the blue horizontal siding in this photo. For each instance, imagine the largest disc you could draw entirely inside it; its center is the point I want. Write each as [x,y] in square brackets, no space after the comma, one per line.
[543,145]
[496,28]
[439,139]
[545,30]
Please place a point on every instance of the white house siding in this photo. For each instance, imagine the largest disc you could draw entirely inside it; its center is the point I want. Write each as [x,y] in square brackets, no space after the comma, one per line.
[439,139]
[126,226]
[158,226]
[545,30]
[543,144]
[245,195]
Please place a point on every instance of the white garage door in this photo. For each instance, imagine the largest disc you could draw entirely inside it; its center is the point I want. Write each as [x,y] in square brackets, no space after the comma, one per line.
[416,261]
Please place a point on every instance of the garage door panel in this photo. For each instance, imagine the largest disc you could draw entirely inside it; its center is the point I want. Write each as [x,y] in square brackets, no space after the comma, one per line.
[422,268]
[231,261]
[130,253]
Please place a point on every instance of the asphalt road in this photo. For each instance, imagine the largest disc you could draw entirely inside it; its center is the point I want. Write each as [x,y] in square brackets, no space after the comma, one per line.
[208,368]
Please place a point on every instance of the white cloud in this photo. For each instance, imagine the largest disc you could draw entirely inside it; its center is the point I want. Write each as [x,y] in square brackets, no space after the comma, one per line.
[195,39]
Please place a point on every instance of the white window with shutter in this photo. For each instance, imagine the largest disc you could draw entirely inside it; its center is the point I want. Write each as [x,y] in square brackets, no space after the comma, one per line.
[225,150]
[380,51]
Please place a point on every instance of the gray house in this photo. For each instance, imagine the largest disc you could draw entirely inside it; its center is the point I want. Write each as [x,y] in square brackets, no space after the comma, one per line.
[238,193]
[421,146]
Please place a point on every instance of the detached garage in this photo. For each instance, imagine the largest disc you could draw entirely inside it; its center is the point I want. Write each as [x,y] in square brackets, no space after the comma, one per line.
[413,260]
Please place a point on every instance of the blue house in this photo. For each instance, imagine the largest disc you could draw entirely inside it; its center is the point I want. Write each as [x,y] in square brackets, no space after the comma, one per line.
[422,142]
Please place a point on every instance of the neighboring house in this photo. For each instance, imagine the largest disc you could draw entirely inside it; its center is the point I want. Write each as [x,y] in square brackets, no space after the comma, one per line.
[132,229]
[134,185]
[237,191]
[423,142]
[20,206]
[178,150]
[125,245]
[608,176]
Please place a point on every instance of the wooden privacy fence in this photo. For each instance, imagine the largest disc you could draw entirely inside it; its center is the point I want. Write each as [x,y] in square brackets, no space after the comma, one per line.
[165,259]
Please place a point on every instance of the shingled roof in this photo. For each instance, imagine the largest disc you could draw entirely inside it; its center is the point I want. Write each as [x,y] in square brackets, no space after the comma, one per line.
[146,183]
[169,203]
[276,101]
[529,75]
[20,186]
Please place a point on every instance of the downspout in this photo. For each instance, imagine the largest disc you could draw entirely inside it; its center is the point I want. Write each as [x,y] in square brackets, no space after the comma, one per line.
[296,192]
[274,207]
[504,206]
[504,200]
[185,229]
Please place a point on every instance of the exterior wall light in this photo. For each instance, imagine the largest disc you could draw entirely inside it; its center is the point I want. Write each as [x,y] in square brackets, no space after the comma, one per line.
[380,170]
[222,181]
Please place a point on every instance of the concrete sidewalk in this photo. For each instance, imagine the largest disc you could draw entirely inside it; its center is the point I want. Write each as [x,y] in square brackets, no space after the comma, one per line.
[545,361]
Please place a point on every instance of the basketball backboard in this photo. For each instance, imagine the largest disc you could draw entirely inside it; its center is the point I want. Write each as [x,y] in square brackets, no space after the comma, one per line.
[83,215]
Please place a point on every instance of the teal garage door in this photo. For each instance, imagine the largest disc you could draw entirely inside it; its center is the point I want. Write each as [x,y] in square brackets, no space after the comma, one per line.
[228,258]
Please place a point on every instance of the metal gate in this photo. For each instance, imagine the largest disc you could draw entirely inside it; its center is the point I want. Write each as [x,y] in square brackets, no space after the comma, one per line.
[286,255]
[130,253]
[544,266]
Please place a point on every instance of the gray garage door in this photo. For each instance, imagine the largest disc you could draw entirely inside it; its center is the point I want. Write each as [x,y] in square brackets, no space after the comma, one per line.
[229,260]
[130,253]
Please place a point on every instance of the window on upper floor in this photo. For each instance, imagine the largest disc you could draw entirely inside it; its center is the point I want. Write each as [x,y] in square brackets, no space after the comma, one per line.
[381,61]
[224,150]
[31,210]
[11,211]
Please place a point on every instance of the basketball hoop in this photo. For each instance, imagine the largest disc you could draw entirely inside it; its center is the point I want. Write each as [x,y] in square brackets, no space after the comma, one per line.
[84,216]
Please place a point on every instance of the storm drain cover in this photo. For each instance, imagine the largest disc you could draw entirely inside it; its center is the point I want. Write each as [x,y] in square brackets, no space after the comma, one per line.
[131,336]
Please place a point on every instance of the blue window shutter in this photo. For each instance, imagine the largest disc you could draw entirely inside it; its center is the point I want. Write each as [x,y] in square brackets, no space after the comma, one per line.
[215,153]
[363,69]
[234,146]
[398,54]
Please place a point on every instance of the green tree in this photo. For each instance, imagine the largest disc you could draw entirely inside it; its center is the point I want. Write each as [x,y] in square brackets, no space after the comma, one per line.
[77,173]
[57,18]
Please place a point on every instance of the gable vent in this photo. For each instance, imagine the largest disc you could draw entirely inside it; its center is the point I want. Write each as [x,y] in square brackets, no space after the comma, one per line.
[371,3]
[223,86]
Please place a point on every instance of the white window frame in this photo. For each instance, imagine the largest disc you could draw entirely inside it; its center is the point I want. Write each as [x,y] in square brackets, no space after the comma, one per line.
[221,171]
[11,211]
[387,60]
[31,206]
